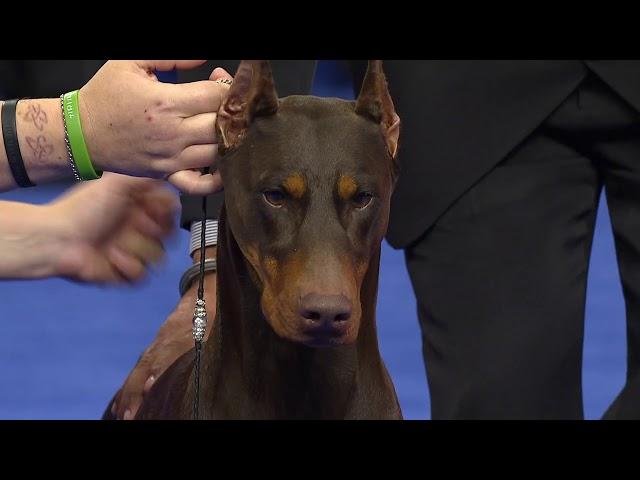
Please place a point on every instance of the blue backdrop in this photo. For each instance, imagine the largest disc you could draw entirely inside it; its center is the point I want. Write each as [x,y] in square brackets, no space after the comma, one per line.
[65,348]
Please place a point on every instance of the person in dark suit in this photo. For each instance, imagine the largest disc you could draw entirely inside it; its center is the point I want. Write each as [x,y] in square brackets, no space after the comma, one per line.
[502,167]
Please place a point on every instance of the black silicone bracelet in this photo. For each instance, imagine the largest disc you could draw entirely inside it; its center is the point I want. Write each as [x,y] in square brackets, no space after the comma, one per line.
[11,145]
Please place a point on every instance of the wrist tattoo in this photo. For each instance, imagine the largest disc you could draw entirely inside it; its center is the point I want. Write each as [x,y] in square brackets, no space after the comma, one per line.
[39,147]
[36,115]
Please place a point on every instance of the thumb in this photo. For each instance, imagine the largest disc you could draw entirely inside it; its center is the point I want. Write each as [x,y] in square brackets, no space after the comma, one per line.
[168,65]
[220,74]
[193,182]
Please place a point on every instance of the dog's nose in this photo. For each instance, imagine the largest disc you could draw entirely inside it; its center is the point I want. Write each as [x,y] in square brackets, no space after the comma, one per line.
[325,309]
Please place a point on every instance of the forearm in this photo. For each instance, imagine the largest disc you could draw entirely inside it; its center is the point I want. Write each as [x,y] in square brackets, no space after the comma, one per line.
[42,145]
[29,240]
[210,277]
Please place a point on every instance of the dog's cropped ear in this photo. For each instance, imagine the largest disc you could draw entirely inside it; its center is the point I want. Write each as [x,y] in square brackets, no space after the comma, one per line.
[252,94]
[375,103]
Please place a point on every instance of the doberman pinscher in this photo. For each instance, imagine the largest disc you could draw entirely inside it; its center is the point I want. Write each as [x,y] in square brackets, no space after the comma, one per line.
[308,183]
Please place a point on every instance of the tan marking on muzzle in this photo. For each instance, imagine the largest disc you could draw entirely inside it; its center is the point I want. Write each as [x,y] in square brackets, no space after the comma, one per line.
[271,267]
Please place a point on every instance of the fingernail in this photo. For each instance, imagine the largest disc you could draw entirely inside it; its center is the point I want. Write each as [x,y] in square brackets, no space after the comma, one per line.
[127,415]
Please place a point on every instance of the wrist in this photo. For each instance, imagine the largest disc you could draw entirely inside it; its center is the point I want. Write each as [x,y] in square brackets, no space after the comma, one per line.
[188,282]
[210,289]
[211,235]
[41,139]
[30,241]
[210,252]
[83,166]
[100,142]
[57,238]
[210,275]
[61,236]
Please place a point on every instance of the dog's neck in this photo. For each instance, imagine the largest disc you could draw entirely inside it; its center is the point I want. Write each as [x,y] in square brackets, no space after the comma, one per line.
[248,371]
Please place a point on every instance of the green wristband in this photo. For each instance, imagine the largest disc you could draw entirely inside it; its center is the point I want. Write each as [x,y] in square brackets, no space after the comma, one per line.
[76,138]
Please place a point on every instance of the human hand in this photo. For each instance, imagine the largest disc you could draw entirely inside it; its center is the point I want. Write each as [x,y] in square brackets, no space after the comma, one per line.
[136,125]
[173,340]
[110,230]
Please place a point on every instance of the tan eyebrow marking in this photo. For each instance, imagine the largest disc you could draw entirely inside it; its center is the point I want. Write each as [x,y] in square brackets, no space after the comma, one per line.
[295,185]
[347,186]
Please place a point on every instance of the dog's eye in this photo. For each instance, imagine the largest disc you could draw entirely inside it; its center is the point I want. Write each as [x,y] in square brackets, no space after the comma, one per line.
[362,199]
[275,198]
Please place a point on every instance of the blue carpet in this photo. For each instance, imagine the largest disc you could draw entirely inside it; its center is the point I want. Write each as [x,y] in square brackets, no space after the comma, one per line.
[66,348]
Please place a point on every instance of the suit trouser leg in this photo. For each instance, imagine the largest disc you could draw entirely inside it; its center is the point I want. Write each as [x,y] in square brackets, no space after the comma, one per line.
[500,281]
[623,194]
[609,134]
[619,156]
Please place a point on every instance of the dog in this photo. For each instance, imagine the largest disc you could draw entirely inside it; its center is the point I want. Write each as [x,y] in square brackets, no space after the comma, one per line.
[308,183]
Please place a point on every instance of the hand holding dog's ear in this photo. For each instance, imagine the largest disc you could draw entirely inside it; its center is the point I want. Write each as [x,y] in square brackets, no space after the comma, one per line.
[193,181]
[136,125]
[253,94]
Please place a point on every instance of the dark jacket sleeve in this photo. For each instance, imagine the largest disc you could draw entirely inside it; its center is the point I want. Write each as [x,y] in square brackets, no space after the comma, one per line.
[292,77]
[192,208]
[44,78]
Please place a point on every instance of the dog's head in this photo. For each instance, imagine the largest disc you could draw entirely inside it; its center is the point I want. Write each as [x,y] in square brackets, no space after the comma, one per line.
[307,188]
